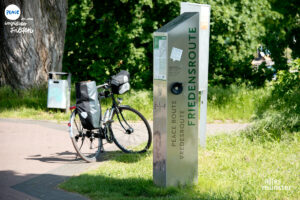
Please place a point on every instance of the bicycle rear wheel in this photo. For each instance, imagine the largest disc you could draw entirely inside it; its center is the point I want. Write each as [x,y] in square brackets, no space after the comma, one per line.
[86,143]
[131,131]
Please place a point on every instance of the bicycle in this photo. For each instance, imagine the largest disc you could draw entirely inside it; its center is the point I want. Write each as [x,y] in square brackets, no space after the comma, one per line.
[132,134]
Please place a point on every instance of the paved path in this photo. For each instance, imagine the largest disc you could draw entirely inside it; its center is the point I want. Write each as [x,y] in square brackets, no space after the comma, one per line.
[228,128]
[35,156]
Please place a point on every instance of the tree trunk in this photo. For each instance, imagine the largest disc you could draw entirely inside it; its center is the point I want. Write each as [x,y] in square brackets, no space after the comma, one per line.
[26,57]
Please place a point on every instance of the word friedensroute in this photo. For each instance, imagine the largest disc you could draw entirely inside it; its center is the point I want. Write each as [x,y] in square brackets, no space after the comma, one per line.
[192,73]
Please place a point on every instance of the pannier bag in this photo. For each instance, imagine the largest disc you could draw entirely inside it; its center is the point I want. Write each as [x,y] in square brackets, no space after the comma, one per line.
[120,82]
[87,104]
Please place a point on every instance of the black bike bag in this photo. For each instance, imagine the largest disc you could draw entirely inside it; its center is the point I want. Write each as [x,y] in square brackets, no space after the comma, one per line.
[87,104]
[120,82]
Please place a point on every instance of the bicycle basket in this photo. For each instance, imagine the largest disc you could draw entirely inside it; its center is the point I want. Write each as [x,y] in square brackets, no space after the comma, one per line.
[120,82]
[87,104]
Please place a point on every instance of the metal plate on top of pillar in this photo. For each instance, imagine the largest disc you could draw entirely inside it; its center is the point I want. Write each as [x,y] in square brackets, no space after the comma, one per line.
[175,99]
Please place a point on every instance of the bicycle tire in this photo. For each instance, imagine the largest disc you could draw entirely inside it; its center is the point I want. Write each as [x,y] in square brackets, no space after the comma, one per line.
[141,130]
[80,140]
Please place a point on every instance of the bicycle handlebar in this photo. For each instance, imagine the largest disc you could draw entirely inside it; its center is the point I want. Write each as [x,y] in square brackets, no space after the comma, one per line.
[105,93]
[105,86]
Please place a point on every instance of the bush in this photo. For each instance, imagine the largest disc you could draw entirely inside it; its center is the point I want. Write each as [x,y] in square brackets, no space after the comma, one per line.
[279,114]
[106,36]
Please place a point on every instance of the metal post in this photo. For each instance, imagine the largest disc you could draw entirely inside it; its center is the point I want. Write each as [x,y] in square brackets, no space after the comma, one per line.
[180,60]
[175,101]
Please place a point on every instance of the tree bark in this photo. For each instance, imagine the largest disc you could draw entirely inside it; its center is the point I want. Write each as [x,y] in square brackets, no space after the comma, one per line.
[27,57]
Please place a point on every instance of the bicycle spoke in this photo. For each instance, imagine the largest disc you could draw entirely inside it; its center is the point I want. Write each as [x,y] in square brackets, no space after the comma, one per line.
[83,137]
[86,145]
[79,129]
[135,136]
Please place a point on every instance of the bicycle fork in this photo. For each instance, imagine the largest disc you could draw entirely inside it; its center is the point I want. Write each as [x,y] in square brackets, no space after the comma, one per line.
[128,130]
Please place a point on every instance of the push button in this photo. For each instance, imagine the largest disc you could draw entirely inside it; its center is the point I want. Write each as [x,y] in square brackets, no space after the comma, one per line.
[176,88]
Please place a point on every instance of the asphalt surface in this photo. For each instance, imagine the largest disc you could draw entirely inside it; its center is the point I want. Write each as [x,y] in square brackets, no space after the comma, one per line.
[35,156]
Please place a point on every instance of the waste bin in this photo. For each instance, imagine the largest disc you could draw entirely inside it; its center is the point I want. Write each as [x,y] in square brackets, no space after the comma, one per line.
[59,90]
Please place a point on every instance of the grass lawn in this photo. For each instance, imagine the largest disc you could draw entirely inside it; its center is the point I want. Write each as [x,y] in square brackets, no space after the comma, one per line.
[233,103]
[232,167]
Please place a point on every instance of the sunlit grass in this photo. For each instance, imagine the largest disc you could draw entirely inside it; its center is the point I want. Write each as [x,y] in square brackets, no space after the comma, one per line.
[232,167]
[234,103]
[29,104]
[237,104]
[36,114]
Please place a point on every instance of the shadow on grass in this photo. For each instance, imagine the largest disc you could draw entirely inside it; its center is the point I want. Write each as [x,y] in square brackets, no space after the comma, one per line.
[106,187]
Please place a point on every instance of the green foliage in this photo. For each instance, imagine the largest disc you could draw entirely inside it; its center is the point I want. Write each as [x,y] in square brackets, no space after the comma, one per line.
[29,104]
[231,167]
[32,103]
[32,98]
[278,115]
[288,82]
[234,103]
[283,31]
[104,37]
[141,100]
[237,103]
[236,29]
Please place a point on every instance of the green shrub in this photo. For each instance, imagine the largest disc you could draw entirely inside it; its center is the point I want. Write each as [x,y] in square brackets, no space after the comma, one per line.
[279,115]
[106,36]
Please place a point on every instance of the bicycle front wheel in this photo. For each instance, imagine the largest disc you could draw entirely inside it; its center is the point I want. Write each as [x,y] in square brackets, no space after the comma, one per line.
[86,142]
[131,131]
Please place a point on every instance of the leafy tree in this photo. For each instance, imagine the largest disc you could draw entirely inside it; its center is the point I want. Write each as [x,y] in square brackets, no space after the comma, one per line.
[106,36]
[283,31]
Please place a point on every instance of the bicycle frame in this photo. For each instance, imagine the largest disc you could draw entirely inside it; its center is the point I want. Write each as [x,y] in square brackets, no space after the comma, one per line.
[104,123]
[114,108]
[88,143]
